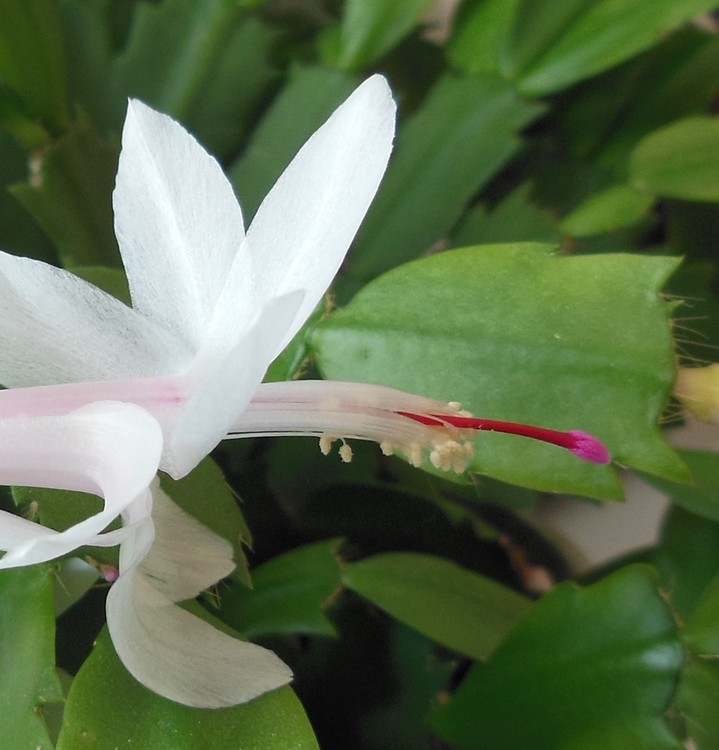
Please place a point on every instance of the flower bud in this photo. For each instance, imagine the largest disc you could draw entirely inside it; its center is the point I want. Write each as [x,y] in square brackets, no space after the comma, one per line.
[698,389]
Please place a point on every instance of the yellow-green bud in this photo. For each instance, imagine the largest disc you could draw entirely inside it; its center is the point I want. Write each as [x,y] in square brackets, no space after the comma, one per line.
[698,389]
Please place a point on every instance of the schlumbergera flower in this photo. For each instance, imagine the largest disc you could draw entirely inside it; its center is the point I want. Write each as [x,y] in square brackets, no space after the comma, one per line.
[211,308]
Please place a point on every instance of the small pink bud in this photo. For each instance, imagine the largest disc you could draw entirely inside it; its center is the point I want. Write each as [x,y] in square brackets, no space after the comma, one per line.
[110,573]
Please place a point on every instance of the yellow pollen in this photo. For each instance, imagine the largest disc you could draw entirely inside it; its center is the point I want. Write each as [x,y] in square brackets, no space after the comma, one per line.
[414,454]
[441,444]
[387,448]
[345,452]
[458,458]
[450,455]
[326,444]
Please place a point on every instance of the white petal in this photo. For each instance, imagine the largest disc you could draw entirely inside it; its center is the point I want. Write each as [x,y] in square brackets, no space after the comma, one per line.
[57,328]
[138,519]
[109,449]
[237,305]
[166,648]
[186,557]
[19,533]
[181,657]
[302,230]
[177,222]
[225,386]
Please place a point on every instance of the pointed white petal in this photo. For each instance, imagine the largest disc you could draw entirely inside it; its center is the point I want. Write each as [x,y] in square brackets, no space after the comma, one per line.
[226,383]
[237,305]
[186,557]
[108,449]
[57,328]
[181,657]
[302,230]
[166,648]
[177,222]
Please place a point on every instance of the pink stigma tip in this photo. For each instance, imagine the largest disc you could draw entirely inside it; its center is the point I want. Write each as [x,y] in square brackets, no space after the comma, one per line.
[588,448]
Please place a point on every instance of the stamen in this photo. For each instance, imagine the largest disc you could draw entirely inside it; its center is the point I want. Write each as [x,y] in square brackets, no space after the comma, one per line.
[386,448]
[418,428]
[345,452]
[326,444]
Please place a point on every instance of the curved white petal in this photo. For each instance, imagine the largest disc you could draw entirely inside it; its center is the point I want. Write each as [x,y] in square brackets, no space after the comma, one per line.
[186,557]
[304,227]
[181,657]
[225,384]
[166,648]
[57,328]
[109,449]
[177,222]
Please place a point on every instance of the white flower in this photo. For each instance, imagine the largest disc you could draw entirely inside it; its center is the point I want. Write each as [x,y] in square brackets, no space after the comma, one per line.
[211,308]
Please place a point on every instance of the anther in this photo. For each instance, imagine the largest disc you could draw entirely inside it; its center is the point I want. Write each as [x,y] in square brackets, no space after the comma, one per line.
[326,444]
[345,452]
